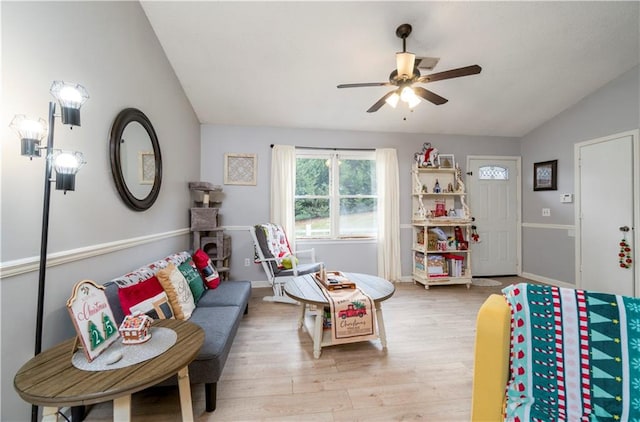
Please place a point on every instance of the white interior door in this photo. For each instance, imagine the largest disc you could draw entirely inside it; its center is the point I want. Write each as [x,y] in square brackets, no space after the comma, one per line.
[494,200]
[605,195]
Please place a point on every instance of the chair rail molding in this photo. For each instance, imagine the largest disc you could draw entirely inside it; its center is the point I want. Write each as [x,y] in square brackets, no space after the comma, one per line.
[26,265]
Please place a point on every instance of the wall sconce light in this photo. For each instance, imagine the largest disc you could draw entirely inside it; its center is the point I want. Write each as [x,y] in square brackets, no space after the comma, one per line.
[66,164]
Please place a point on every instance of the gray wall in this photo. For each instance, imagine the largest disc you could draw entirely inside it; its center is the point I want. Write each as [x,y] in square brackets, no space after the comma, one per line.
[110,48]
[249,205]
[548,250]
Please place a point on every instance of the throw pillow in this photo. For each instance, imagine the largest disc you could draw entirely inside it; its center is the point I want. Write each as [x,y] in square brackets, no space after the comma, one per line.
[157,307]
[206,268]
[191,274]
[134,294]
[177,290]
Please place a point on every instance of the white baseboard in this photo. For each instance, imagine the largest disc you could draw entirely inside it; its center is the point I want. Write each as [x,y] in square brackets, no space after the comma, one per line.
[547,280]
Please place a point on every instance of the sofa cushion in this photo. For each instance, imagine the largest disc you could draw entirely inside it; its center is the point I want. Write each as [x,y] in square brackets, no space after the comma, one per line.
[219,324]
[178,291]
[134,294]
[235,293]
[191,274]
[207,269]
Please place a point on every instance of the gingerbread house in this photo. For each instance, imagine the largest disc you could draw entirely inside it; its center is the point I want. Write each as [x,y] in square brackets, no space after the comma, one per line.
[135,328]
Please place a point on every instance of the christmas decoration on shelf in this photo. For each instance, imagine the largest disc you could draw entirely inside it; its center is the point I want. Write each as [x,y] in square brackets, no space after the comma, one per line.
[474,234]
[625,254]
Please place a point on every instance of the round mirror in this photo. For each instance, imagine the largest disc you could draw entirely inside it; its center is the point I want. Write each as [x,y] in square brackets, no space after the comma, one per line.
[136,163]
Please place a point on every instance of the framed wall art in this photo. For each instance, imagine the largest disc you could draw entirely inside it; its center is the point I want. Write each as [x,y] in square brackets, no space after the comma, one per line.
[545,175]
[240,169]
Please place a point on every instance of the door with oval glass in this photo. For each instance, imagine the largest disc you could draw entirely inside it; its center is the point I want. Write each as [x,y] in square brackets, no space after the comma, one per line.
[493,184]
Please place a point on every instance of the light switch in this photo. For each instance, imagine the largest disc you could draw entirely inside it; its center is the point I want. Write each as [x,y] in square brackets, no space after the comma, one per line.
[546,212]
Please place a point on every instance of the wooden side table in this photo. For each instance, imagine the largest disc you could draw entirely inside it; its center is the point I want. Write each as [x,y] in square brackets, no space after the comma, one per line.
[306,290]
[50,380]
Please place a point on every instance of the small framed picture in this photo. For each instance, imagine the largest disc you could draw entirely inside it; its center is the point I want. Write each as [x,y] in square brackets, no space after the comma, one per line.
[240,169]
[446,161]
[545,175]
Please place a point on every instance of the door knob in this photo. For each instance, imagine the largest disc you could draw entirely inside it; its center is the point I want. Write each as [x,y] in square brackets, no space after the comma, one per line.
[624,228]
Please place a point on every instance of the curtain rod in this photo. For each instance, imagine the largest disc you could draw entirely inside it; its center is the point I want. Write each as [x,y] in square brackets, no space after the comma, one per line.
[335,149]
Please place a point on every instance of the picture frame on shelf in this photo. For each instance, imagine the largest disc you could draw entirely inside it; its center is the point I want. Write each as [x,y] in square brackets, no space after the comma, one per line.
[240,169]
[446,161]
[545,175]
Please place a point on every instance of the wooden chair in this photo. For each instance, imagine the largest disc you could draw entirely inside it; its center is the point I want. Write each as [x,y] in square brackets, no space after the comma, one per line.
[278,261]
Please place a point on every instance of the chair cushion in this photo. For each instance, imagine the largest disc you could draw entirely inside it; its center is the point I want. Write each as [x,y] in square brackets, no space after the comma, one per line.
[302,269]
[274,243]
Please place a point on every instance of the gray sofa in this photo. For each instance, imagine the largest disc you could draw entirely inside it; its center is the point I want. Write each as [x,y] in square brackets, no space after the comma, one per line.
[218,312]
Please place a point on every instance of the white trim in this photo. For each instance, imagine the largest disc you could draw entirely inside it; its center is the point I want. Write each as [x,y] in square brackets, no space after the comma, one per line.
[549,226]
[547,280]
[25,265]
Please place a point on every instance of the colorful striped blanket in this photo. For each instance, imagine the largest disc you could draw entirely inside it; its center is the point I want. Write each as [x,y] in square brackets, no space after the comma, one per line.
[575,355]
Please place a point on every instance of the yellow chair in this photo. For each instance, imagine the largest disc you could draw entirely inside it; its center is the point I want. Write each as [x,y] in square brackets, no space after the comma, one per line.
[491,360]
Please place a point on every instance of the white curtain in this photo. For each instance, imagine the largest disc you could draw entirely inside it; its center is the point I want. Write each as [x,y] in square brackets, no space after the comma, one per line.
[387,177]
[283,188]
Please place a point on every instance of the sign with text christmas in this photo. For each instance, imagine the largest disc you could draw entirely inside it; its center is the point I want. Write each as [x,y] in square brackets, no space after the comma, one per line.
[92,318]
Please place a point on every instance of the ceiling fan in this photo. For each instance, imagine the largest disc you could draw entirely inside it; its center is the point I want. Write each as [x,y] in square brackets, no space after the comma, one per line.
[407,74]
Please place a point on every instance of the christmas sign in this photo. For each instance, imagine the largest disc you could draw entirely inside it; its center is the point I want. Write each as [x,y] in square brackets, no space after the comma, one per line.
[92,318]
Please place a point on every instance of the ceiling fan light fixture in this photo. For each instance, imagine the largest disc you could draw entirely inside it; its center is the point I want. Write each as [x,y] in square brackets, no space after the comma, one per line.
[393,99]
[409,96]
[414,101]
[405,63]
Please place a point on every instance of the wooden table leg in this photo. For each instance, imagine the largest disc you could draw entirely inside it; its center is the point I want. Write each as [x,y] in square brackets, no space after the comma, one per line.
[122,408]
[185,395]
[303,307]
[381,331]
[49,414]
[317,333]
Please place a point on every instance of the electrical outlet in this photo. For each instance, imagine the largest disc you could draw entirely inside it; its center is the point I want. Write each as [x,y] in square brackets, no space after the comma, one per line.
[247,262]
[546,212]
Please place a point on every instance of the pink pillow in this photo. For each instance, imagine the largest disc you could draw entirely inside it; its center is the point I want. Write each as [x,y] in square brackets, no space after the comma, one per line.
[206,269]
[139,292]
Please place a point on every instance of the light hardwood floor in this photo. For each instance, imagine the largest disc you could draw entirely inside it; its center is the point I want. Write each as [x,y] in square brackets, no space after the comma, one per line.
[271,375]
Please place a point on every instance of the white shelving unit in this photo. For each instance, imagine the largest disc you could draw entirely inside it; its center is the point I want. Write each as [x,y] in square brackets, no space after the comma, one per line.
[441,227]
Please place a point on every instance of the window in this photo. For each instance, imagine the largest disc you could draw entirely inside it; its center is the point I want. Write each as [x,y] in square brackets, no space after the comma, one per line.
[493,173]
[336,194]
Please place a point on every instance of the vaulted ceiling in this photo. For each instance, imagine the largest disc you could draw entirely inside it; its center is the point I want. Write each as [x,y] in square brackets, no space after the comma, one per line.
[278,63]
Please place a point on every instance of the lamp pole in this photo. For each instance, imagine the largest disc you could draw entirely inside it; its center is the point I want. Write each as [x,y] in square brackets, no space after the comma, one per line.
[43,241]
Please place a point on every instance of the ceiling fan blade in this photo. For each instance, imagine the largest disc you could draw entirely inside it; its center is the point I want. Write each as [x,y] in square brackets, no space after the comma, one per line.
[429,96]
[453,73]
[380,102]
[364,84]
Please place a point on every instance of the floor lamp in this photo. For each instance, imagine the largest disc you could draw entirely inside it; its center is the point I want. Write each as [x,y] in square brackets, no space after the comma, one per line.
[66,165]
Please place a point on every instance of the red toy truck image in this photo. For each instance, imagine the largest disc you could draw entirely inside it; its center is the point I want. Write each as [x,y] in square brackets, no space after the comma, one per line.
[355,309]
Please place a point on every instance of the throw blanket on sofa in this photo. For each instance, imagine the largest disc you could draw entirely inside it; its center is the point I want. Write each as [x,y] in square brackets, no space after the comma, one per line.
[575,355]
[353,314]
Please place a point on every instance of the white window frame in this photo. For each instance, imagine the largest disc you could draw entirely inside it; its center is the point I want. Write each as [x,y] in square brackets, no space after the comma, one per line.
[334,196]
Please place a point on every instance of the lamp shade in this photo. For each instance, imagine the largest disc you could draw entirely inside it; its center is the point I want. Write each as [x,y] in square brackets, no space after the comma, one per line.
[71,97]
[409,96]
[31,132]
[405,63]
[393,99]
[66,165]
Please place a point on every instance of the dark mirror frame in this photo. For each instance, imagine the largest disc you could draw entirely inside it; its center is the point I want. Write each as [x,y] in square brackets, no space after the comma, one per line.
[123,118]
